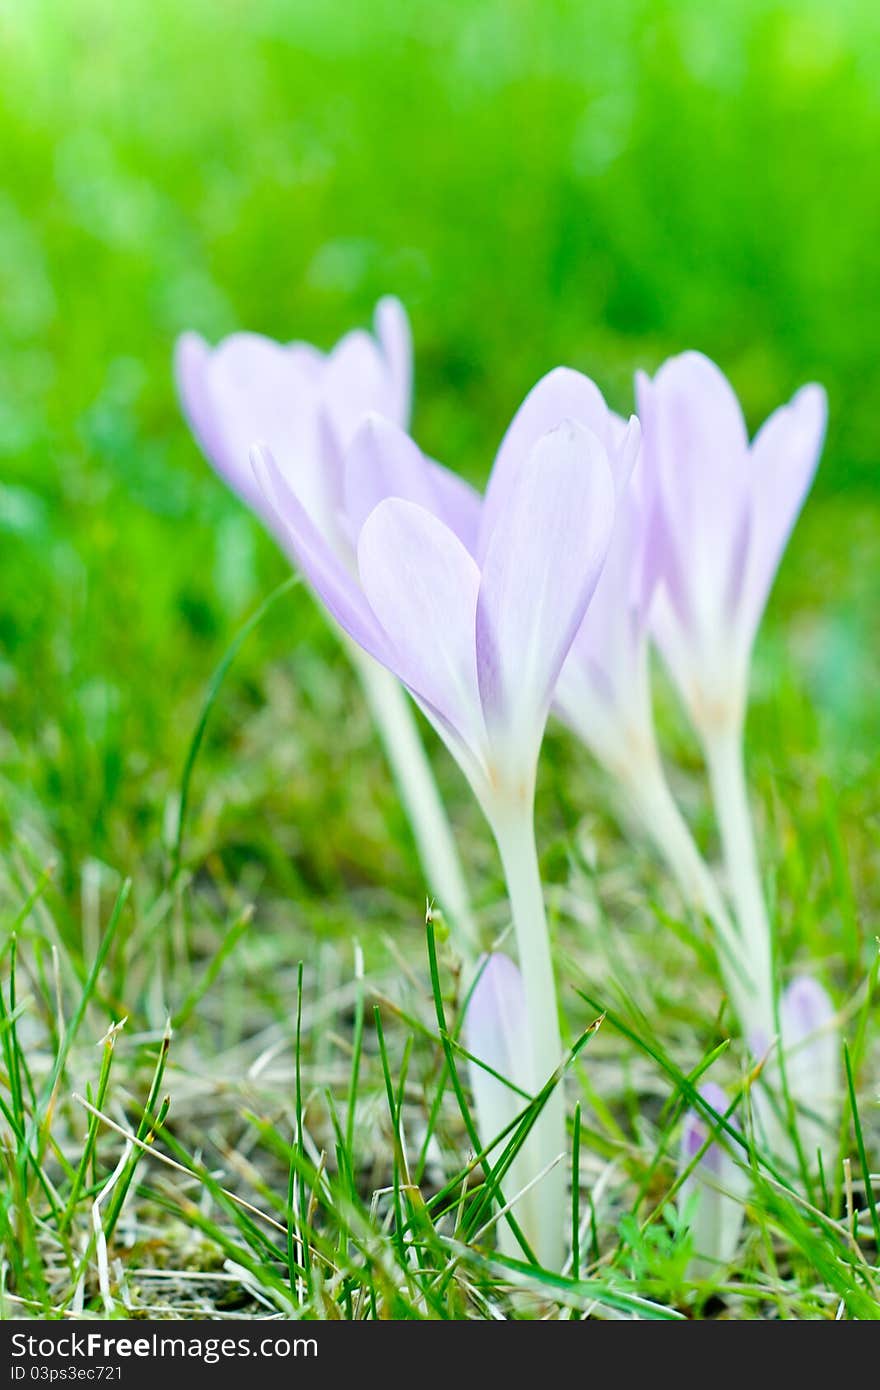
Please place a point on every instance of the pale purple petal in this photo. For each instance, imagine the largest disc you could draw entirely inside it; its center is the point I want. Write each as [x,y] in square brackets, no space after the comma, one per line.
[712,1196]
[494,1032]
[695,445]
[696,1129]
[304,405]
[382,461]
[811,1043]
[422,585]
[783,461]
[395,339]
[701,419]
[665,550]
[336,586]
[562,394]
[456,503]
[250,389]
[544,557]
[618,428]
[624,451]
[355,382]
[608,649]
[636,529]
[602,691]
[192,368]
[650,547]
[806,1010]
[307,359]
[724,513]
[495,1019]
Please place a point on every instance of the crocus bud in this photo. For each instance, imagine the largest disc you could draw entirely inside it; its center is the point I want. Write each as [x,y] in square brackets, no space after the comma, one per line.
[711,1197]
[811,1046]
[495,1034]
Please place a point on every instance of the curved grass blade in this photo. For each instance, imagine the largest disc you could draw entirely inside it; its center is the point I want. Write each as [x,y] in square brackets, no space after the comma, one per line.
[210,699]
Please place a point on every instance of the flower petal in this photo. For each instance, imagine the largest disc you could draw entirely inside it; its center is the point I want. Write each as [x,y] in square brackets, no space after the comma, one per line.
[422,585]
[811,1044]
[544,558]
[395,338]
[382,461]
[695,443]
[251,389]
[337,588]
[307,359]
[712,1196]
[625,449]
[356,381]
[562,394]
[192,373]
[495,1033]
[784,457]
[602,692]
[456,503]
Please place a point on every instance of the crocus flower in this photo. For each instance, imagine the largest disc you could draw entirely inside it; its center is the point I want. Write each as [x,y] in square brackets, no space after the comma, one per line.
[725,509]
[711,1197]
[476,622]
[306,406]
[810,1043]
[477,625]
[494,1036]
[603,692]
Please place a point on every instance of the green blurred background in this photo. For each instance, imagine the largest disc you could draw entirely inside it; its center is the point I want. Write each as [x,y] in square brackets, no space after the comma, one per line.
[541,181]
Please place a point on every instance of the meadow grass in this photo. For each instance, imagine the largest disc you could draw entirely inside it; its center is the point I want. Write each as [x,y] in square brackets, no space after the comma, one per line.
[231,1077]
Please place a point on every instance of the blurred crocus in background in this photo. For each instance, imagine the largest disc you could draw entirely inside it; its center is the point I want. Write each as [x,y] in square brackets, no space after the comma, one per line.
[306,406]
[712,1195]
[810,1045]
[479,638]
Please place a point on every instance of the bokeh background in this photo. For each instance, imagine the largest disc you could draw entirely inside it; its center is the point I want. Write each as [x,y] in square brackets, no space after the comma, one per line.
[541,181]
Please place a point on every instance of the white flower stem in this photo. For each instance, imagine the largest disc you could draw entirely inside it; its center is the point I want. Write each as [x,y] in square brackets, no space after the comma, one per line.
[724,757]
[653,802]
[625,743]
[394,719]
[541,1213]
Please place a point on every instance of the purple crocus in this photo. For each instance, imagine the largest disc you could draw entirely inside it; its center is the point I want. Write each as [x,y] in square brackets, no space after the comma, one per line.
[500,1087]
[604,691]
[712,1194]
[477,623]
[810,1044]
[725,509]
[476,620]
[307,407]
